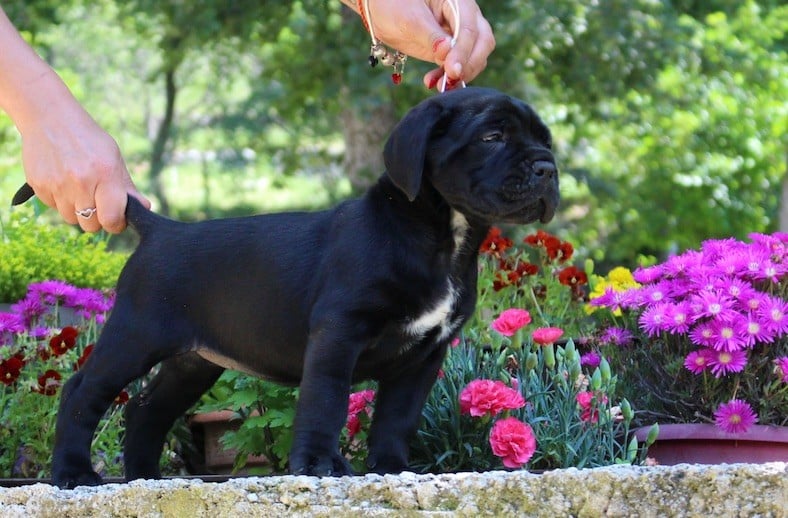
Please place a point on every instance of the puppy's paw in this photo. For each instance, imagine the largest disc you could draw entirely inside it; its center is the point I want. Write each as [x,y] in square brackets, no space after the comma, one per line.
[68,480]
[382,464]
[333,465]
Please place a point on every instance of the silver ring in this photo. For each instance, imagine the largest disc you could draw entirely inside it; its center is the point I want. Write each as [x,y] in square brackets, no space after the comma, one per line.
[86,213]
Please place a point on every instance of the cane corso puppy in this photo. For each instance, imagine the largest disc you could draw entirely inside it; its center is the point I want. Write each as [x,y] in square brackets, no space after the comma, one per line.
[373,289]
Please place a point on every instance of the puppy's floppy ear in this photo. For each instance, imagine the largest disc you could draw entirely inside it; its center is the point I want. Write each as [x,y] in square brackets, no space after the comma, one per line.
[406,148]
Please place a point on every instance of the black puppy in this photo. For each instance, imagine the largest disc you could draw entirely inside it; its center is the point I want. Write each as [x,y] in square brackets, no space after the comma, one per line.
[373,289]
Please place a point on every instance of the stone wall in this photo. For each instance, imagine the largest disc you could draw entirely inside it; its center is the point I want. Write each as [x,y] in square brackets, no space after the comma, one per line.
[683,490]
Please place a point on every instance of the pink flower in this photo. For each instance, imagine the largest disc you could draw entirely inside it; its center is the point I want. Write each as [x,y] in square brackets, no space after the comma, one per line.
[724,362]
[358,402]
[513,441]
[782,368]
[511,320]
[547,335]
[487,397]
[735,416]
[586,402]
[698,361]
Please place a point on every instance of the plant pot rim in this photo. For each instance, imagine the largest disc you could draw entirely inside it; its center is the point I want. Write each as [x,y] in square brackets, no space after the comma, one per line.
[702,431]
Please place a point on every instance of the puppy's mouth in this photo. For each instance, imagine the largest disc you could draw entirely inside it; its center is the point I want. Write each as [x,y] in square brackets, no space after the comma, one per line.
[534,193]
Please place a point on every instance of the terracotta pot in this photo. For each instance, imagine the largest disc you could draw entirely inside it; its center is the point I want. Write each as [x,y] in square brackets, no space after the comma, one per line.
[707,444]
[219,460]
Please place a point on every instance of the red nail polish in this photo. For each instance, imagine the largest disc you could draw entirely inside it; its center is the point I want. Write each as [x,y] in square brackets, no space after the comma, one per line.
[437,44]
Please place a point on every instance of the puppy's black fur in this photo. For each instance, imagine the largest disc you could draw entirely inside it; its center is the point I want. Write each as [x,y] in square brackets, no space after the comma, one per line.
[373,289]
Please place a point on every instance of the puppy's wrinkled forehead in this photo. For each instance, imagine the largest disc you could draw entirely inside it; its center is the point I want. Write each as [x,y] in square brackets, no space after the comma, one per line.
[491,109]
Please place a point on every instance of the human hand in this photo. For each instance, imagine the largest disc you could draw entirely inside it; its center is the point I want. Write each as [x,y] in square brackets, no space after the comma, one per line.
[424,29]
[72,164]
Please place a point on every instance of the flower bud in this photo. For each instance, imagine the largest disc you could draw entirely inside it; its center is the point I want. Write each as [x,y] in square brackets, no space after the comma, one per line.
[604,368]
[626,410]
[549,356]
[531,361]
[596,380]
[653,433]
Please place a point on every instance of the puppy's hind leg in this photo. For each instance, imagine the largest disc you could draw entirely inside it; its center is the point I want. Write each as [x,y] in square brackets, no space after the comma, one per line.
[178,385]
[114,363]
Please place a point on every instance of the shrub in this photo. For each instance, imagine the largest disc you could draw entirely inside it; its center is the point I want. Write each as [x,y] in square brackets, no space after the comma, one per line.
[32,251]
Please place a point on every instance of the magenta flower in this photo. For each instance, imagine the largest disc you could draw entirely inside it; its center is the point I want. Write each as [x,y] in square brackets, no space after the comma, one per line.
[736,416]
[703,334]
[698,361]
[781,368]
[724,362]
[652,321]
[547,335]
[591,359]
[727,336]
[513,441]
[775,315]
[511,320]
[677,317]
[616,336]
[647,275]
[712,304]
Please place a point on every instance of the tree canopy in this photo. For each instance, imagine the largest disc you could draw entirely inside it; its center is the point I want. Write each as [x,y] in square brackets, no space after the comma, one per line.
[669,116]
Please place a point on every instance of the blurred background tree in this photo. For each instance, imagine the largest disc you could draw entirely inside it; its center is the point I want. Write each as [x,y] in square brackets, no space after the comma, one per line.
[670,117]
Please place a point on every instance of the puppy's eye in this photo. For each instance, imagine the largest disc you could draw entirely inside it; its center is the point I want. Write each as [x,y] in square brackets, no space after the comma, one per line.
[492,136]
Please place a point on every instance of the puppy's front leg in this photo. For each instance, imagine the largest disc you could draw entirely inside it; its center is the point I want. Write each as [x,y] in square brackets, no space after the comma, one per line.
[398,407]
[322,404]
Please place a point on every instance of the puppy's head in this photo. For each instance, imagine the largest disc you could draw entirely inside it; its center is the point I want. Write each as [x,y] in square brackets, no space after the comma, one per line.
[486,153]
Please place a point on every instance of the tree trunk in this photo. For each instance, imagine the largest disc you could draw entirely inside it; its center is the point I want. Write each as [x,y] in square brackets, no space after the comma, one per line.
[157,161]
[365,134]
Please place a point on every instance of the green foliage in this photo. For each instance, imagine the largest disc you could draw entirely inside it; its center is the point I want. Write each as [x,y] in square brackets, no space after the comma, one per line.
[33,251]
[550,381]
[29,403]
[266,411]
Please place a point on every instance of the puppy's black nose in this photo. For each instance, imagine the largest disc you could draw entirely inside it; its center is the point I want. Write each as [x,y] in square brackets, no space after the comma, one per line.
[544,168]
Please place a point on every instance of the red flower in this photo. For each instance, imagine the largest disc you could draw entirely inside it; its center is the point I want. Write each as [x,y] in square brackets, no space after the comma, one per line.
[566,250]
[495,244]
[122,398]
[587,401]
[49,382]
[555,248]
[489,397]
[511,320]
[572,276]
[547,335]
[513,441]
[64,341]
[84,357]
[10,369]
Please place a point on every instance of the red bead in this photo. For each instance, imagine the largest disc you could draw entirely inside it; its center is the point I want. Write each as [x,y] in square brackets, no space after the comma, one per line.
[396,78]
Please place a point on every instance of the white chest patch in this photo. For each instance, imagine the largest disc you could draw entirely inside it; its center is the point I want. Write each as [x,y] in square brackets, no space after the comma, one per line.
[439,314]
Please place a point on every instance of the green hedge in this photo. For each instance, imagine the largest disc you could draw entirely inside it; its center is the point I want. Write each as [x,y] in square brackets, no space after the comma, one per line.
[32,251]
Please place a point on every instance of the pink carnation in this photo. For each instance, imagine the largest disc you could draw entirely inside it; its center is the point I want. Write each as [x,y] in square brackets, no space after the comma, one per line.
[487,397]
[513,441]
[511,320]
[358,402]
[547,335]
[589,412]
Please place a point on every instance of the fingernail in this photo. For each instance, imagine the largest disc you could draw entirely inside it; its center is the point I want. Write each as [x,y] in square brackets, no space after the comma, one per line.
[457,69]
[437,43]
[433,82]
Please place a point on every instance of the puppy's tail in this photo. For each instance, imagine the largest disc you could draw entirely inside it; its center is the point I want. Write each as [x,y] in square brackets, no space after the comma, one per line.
[139,218]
